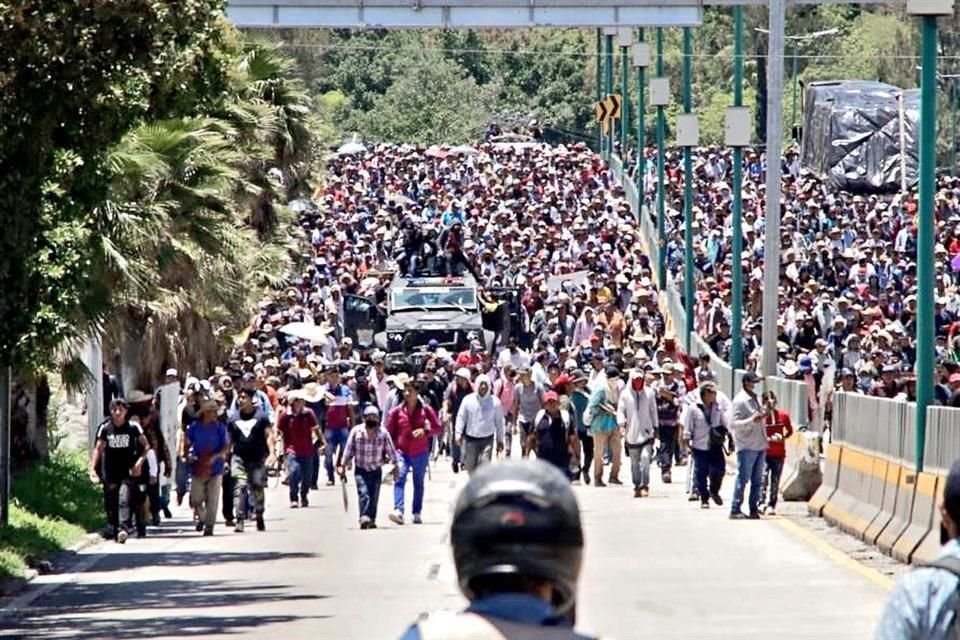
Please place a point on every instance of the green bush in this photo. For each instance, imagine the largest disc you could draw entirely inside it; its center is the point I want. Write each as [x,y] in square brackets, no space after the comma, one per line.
[54,503]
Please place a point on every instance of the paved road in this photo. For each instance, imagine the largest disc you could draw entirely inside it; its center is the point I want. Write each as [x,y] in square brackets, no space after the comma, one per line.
[656,567]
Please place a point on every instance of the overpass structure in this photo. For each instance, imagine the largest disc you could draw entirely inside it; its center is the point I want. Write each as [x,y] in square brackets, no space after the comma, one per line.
[455,14]
[496,14]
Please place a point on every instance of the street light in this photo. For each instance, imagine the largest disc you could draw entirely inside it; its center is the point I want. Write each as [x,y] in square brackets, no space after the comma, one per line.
[796,41]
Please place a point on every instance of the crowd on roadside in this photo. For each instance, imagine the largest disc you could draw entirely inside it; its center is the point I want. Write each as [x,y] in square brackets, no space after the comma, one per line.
[593,373]
[847,275]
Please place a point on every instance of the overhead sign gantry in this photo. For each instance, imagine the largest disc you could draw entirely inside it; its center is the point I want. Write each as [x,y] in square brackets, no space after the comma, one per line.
[455,14]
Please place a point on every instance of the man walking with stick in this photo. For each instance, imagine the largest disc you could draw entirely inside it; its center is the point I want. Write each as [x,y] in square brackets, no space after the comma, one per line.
[371,445]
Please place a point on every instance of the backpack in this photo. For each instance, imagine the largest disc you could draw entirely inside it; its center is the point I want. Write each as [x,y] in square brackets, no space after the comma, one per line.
[951,564]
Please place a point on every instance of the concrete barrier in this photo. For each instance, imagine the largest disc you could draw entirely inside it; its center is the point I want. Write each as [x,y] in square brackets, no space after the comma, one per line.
[921,517]
[870,498]
[831,474]
[901,511]
[929,547]
[852,486]
[888,503]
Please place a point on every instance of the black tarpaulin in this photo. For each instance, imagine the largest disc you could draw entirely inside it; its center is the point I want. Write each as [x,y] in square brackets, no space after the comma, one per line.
[852,135]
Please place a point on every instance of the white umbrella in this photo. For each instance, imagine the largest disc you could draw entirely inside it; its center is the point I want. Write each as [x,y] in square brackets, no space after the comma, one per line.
[351,148]
[463,150]
[307,331]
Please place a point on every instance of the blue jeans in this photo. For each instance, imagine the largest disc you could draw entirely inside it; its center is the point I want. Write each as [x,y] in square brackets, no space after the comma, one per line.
[771,481]
[709,466]
[368,492]
[419,466]
[749,469]
[336,439]
[299,469]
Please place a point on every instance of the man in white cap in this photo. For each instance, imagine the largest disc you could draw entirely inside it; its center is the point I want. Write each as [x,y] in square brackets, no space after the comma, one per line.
[478,423]
[459,389]
[371,446]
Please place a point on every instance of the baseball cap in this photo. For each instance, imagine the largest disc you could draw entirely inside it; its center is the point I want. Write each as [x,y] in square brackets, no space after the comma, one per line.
[371,410]
[172,373]
[550,396]
[750,376]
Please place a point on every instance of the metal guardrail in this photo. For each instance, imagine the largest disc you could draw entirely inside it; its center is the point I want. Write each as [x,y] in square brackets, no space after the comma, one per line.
[875,425]
[943,438]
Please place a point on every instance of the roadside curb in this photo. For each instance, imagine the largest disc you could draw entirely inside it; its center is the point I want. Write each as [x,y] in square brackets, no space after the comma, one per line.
[11,587]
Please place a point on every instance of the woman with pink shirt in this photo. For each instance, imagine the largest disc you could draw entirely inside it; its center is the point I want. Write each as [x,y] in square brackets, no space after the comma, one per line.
[503,389]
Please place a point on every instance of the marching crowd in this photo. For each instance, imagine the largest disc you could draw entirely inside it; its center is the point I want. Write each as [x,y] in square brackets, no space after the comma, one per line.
[847,273]
[593,373]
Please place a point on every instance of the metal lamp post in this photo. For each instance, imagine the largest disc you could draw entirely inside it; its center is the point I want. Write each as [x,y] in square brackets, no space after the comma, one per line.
[736,321]
[661,101]
[641,60]
[928,11]
[688,137]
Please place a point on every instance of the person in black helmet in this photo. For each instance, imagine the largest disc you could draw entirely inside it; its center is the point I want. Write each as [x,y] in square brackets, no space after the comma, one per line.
[517,546]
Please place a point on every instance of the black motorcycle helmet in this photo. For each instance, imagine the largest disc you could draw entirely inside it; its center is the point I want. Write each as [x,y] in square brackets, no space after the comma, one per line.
[519,518]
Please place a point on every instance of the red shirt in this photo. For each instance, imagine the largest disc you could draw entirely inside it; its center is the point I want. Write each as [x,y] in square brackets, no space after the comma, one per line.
[297,432]
[401,423]
[778,423]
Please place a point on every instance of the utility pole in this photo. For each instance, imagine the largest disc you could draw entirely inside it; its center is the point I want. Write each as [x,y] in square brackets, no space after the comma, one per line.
[926,217]
[624,40]
[608,82]
[6,376]
[795,42]
[771,244]
[688,193]
[599,91]
[641,59]
[661,190]
[736,321]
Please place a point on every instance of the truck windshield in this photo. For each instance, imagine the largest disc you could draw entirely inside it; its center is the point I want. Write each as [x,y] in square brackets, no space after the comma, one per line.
[434,298]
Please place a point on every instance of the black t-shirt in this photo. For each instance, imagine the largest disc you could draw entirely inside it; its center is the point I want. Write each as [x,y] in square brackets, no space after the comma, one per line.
[248,433]
[121,450]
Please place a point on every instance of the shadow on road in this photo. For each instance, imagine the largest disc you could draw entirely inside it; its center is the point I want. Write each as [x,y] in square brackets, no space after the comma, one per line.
[124,561]
[78,610]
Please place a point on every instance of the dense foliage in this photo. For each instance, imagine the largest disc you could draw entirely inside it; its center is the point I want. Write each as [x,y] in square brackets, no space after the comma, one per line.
[550,74]
[147,152]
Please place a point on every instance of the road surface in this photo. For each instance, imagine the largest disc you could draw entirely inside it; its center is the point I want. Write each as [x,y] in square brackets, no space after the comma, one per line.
[655,567]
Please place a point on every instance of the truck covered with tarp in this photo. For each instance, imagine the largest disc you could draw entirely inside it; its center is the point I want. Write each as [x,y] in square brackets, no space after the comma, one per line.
[861,136]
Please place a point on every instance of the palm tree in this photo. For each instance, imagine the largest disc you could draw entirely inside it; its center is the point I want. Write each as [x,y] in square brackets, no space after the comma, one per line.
[176,254]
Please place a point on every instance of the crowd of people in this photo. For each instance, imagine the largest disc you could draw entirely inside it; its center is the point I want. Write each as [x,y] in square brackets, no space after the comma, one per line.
[847,273]
[592,373]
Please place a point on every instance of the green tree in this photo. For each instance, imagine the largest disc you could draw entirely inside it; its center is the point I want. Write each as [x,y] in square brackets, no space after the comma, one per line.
[75,76]
[439,103]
